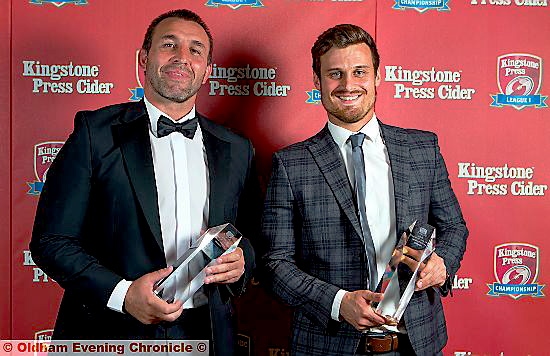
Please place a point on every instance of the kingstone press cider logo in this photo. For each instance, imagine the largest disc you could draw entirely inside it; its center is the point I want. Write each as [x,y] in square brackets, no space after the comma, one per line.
[427,83]
[516,267]
[519,78]
[501,180]
[234,4]
[246,81]
[44,154]
[38,275]
[59,3]
[42,338]
[422,5]
[43,335]
[65,78]
[230,81]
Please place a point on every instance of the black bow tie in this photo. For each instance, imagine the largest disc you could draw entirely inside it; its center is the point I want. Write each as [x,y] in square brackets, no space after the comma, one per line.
[165,126]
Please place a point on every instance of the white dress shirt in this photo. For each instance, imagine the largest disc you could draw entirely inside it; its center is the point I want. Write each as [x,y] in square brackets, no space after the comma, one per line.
[379,193]
[181,175]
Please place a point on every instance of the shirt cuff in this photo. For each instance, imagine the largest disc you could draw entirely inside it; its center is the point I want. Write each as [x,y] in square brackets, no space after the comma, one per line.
[335,313]
[116,300]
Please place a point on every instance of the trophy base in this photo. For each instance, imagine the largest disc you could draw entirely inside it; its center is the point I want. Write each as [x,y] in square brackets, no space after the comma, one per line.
[391,321]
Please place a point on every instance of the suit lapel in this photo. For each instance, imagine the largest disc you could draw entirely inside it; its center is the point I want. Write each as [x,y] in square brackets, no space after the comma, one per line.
[131,132]
[217,154]
[327,155]
[395,140]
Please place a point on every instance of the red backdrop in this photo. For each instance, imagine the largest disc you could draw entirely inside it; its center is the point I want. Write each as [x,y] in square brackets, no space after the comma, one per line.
[5,187]
[471,71]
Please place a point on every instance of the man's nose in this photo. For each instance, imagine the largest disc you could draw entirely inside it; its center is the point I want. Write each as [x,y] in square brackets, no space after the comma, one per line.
[181,55]
[347,81]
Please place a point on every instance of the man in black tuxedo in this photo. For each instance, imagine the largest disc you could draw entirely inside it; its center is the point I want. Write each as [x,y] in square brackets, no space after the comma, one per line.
[132,188]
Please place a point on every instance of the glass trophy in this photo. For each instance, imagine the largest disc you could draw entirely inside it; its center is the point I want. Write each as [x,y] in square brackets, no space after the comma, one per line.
[189,270]
[416,244]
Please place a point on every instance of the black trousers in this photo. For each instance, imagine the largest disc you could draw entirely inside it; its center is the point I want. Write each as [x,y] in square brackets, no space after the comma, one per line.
[193,324]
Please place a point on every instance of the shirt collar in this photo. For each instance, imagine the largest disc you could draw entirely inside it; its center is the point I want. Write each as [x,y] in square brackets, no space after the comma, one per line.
[341,135]
[155,113]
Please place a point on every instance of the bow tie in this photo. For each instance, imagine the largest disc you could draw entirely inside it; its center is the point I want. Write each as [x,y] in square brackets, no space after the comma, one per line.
[165,126]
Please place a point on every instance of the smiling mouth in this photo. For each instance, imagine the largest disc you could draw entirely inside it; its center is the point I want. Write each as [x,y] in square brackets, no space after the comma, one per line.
[348,98]
[177,74]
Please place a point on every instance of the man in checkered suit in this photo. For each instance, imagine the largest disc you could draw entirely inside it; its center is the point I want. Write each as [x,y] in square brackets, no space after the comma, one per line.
[316,261]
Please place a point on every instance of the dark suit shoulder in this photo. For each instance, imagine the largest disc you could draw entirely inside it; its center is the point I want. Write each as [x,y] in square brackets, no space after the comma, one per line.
[410,135]
[110,109]
[110,114]
[294,148]
[301,148]
[220,131]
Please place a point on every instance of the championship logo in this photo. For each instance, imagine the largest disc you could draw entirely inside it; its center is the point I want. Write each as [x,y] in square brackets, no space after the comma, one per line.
[422,5]
[516,268]
[59,3]
[314,96]
[137,92]
[44,154]
[234,4]
[519,78]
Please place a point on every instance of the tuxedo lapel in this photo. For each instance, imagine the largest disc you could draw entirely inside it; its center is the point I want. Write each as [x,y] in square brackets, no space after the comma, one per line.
[327,155]
[219,170]
[131,132]
[395,140]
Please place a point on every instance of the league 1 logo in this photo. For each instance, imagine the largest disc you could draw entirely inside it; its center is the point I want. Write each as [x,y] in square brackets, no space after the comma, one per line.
[516,268]
[44,154]
[519,78]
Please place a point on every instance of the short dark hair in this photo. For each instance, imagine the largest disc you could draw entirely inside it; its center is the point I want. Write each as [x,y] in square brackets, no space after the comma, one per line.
[342,36]
[182,14]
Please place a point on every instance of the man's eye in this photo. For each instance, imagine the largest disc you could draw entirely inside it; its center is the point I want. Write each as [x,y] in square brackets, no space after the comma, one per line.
[359,73]
[196,51]
[335,75]
[168,45]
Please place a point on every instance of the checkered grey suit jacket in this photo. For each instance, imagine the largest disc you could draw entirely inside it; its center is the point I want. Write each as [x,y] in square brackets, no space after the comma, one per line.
[314,241]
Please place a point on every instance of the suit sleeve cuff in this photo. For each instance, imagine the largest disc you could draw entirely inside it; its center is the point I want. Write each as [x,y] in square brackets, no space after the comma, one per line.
[116,300]
[335,313]
[447,287]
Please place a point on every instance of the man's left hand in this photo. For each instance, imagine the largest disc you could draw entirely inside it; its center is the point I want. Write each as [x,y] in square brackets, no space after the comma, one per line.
[432,273]
[228,268]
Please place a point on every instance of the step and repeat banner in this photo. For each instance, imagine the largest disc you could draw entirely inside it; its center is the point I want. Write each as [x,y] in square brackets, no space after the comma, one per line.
[473,71]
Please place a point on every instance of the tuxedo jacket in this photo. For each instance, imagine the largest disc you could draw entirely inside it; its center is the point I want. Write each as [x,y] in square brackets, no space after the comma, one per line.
[97,220]
[315,248]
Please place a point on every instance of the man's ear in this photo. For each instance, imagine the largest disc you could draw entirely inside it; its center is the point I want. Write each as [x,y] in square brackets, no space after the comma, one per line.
[142,58]
[316,81]
[377,80]
[207,73]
